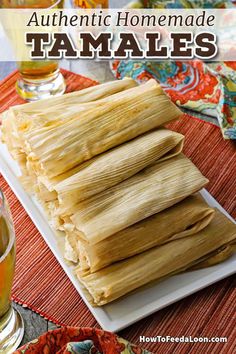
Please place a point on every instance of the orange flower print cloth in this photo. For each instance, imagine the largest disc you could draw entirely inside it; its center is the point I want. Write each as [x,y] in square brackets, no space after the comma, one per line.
[67,340]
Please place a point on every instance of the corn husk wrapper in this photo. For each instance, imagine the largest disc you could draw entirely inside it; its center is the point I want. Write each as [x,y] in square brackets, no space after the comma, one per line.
[9,136]
[165,144]
[50,208]
[150,191]
[118,164]
[44,195]
[57,149]
[19,119]
[123,277]
[216,257]
[181,220]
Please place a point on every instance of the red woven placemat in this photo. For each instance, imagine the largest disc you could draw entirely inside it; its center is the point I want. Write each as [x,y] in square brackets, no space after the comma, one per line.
[41,284]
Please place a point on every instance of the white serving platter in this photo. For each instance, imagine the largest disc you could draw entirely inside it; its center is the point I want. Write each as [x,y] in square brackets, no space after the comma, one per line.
[123,312]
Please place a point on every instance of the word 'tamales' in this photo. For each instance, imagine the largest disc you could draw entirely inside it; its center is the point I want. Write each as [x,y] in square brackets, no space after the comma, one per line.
[183,45]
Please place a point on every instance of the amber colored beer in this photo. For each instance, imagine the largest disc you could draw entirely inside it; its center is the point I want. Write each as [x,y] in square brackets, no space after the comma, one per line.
[11,322]
[38,78]
[39,70]
[7,265]
[31,4]
[91,4]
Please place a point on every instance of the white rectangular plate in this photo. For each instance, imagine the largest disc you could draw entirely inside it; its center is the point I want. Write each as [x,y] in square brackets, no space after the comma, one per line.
[124,312]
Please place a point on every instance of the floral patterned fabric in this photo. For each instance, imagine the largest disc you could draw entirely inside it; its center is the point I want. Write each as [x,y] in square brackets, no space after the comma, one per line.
[67,340]
[179,4]
[208,88]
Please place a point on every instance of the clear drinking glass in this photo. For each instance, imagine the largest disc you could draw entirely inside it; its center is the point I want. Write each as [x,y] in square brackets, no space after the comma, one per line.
[11,323]
[38,78]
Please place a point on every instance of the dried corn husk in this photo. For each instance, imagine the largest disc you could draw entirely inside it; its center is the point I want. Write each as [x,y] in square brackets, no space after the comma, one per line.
[44,195]
[118,164]
[123,277]
[57,149]
[42,113]
[181,220]
[9,136]
[150,191]
[18,120]
[216,257]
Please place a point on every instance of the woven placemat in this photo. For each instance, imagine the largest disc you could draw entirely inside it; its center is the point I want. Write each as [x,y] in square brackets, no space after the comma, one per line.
[41,284]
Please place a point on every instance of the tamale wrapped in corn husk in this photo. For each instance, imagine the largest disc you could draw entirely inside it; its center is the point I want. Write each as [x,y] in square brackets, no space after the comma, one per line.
[42,113]
[118,164]
[148,192]
[181,220]
[18,120]
[88,94]
[57,149]
[116,280]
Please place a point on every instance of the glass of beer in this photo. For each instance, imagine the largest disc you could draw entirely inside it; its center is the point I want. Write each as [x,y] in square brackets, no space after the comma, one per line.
[91,4]
[11,323]
[38,78]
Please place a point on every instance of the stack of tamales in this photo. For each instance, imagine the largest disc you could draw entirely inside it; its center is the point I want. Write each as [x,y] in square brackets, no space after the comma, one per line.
[116,182]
